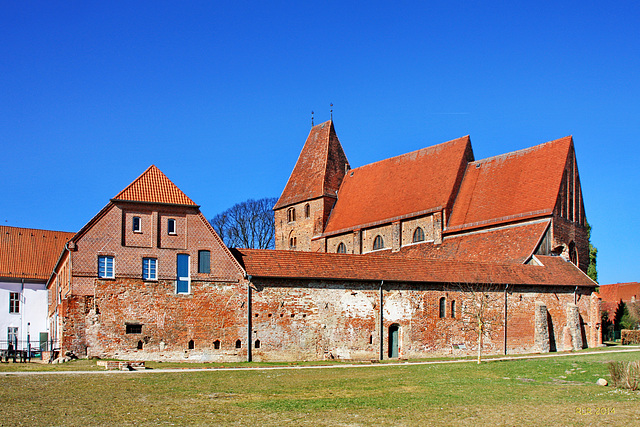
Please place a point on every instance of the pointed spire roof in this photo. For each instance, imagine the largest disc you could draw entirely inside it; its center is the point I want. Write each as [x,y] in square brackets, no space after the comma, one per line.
[319,170]
[154,187]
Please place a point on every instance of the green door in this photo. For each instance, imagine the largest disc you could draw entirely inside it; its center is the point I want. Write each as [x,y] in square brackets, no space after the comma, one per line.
[394,340]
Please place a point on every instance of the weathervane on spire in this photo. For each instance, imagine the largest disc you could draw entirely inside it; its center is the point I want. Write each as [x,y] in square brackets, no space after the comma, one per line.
[311,118]
[331,111]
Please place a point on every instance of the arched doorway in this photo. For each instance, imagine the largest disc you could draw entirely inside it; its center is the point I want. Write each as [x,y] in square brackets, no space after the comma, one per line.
[394,340]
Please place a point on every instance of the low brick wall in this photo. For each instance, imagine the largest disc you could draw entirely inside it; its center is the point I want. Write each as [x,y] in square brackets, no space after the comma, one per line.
[121,365]
[628,336]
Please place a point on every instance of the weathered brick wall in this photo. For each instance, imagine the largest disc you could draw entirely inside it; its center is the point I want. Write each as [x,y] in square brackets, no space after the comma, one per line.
[409,227]
[303,228]
[564,232]
[213,311]
[315,320]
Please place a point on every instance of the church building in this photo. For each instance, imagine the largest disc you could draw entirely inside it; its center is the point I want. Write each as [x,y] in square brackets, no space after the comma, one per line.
[387,260]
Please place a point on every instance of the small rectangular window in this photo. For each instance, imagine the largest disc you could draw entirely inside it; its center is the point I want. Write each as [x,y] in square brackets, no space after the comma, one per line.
[105,267]
[204,262]
[149,269]
[171,226]
[137,228]
[14,302]
[133,328]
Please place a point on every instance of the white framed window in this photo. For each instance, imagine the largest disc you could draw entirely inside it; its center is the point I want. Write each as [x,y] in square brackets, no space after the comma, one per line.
[105,267]
[183,279]
[136,224]
[12,336]
[14,302]
[149,269]
[171,226]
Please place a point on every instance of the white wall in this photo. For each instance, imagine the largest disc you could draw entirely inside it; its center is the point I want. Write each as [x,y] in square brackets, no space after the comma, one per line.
[33,310]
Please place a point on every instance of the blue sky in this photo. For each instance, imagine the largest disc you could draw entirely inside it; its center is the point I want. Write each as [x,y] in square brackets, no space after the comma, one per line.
[219,96]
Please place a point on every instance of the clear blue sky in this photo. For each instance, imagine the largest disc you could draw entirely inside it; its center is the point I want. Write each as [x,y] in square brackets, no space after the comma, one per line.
[218,95]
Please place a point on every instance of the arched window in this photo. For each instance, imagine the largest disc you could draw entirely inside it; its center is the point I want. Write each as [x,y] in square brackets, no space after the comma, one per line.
[216,344]
[238,344]
[307,210]
[453,309]
[342,249]
[291,214]
[192,345]
[292,242]
[378,243]
[443,307]
[418,235]
[573,254]
[257,344]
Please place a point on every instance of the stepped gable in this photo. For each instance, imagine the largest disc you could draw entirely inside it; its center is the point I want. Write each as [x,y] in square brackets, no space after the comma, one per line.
[510,244]
[27,253]
[319,169]
[372,268]
[154,187]
[418,182]
[513,186]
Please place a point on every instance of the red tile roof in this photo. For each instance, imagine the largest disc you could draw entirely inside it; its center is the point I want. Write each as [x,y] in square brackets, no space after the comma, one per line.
[402,186]
[509,244]
[314,265]
[154,187]
[620,291]
[27,253]
[512,186]
[319,169]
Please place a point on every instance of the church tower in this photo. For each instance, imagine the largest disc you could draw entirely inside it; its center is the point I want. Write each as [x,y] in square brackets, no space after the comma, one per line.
[306,201]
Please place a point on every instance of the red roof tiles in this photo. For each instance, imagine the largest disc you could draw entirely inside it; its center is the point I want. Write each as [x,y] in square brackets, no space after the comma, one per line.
[27,253]
[319,169]
[620,291]
[512,186]
[510,244]
[412,183]
[154,187]
[314,265]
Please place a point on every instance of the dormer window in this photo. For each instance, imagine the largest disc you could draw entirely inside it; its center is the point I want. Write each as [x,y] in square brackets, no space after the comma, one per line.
[136,225]
[418,235]
[291,214]
[171,226]
[378,243]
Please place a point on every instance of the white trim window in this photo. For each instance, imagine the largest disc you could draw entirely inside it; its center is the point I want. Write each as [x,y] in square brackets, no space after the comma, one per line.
[137,224]
[171,226]
[105,267]
[149,269]
[14,302]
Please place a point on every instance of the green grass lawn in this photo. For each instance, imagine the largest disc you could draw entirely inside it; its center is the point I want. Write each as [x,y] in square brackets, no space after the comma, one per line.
[553,391]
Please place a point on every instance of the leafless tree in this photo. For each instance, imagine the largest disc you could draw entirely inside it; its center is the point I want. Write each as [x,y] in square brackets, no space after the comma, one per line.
[249,224]
[482,310]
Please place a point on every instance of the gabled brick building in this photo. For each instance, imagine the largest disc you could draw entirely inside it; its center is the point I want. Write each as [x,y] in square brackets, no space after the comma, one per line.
[142,274]
[437,202]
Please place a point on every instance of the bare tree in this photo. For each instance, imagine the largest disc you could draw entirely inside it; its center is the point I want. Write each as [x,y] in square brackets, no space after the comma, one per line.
[482,311]
[249,224]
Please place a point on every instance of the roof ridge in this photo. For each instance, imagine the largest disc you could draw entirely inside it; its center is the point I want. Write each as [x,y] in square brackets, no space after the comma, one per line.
[423,149]
[521,151]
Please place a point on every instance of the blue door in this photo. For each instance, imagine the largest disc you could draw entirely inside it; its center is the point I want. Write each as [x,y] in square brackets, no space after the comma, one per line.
[182,280]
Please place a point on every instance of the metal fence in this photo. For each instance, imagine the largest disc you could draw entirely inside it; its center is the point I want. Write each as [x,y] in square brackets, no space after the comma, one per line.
[34,348]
